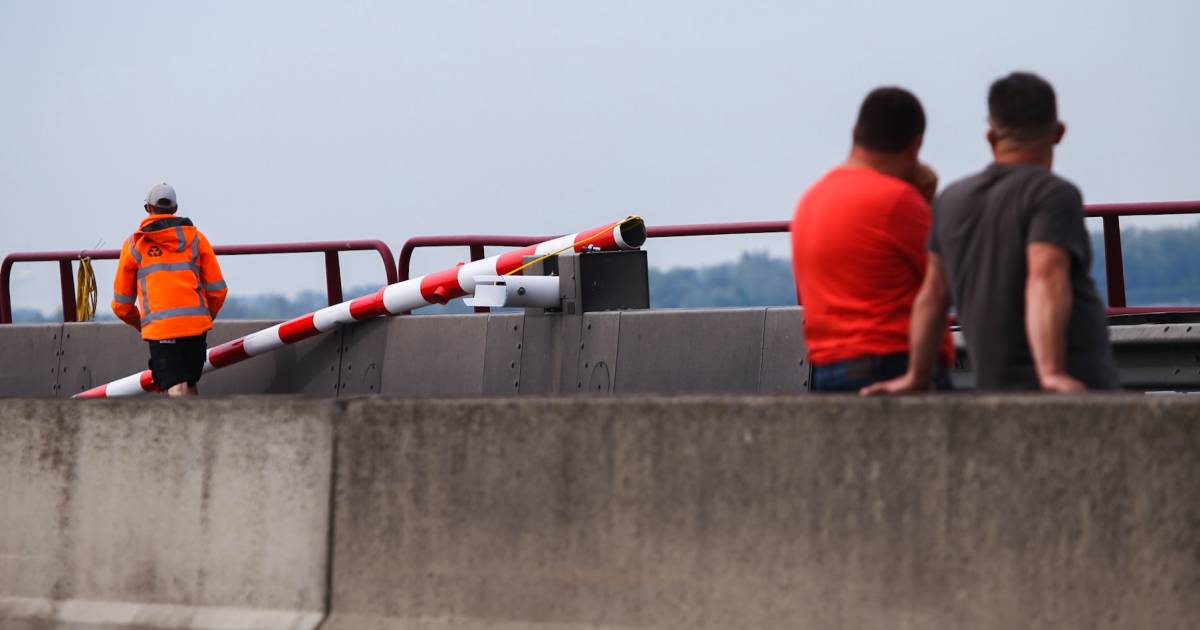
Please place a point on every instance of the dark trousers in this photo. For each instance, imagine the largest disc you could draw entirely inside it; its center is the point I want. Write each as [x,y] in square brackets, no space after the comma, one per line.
[854,374]
[175,361]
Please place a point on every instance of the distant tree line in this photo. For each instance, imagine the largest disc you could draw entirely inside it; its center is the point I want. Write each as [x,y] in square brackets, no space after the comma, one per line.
[755,279]
[1162,268]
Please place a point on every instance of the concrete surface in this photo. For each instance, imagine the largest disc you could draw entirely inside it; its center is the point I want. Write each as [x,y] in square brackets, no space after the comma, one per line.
[601,512]
[164,514]
[670,351]
[37,347]
[811,512]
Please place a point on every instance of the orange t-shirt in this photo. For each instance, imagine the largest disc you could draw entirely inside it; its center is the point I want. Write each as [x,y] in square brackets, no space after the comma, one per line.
[858,255]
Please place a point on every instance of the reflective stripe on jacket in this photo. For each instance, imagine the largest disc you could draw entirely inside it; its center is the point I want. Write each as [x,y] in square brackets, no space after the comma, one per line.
[168,281]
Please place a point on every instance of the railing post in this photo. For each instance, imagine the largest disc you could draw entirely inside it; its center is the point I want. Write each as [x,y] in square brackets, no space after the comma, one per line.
[5,295]
[477,254]
[333,278]
[66,280]
[389,269]
[405,261]
[1114,263]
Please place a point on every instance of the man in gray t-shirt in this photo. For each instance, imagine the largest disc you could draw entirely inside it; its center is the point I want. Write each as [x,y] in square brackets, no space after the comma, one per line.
[1009,246]
[982,228]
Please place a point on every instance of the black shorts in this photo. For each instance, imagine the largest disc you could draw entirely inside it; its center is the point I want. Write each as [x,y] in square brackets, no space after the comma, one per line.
[175,361]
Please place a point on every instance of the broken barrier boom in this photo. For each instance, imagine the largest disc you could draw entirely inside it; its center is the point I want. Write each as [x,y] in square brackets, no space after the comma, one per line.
[438,287]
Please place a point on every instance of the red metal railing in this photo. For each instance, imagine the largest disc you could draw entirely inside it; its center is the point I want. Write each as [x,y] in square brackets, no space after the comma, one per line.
[333,270]
[1110,213]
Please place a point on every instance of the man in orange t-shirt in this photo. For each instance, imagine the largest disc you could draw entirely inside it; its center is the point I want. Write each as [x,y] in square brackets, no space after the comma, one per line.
[858,249]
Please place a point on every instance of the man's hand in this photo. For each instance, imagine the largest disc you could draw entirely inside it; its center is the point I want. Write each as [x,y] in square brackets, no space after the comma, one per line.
[899,385]
[925,180]
[925,333]
[1061,384]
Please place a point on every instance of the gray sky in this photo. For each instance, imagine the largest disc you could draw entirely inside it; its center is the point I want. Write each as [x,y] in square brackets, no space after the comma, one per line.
[281,121]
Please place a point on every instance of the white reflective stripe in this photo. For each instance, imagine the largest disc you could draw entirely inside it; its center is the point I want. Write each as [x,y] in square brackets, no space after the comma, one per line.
[184,311]
[182,240]
[468,272]
[262,341]
[404,296]
[129,386]
[133,251]
[145,297]
[165,616]
[329,317]
[175,266]
[621,244]
[123,298]
[561,242]
[215,286]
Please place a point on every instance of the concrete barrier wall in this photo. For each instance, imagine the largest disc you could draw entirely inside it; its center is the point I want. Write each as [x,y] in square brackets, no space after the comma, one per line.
[601,512]
[738,351]
[164,514]
[30,360]
[60,360]
[810,512]
[707,351]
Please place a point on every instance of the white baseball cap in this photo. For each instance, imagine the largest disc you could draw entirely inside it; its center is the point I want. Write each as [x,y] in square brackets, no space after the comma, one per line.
[162,196]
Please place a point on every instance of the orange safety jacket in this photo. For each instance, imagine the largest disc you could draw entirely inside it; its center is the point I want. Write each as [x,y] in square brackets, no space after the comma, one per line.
[169,270]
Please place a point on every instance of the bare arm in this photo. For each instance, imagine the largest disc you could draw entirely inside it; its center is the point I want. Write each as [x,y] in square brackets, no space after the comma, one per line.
[1047,311]
[925,332]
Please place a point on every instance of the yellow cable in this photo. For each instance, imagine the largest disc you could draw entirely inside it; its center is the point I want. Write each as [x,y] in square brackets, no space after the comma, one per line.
[85,291]
[602,232]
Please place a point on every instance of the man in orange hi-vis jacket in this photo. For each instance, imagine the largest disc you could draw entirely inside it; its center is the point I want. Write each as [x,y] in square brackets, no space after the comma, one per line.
[169,286]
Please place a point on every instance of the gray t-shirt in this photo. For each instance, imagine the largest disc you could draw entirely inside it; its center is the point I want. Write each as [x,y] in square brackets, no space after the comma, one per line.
[981,226]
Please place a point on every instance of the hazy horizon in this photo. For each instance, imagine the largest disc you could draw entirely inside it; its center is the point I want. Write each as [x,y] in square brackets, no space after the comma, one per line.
[306,121]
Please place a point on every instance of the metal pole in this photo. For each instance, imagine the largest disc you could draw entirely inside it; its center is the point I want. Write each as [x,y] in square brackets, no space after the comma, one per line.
[66,279]
[5,296]
[333,278]
[1114,264]
[477,254]
[402,267]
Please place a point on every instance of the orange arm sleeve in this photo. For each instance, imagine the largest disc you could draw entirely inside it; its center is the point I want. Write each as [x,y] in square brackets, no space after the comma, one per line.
[211,280]
[125,291]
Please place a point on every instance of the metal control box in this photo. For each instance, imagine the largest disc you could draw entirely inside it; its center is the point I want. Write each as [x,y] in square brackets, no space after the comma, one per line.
[598,281]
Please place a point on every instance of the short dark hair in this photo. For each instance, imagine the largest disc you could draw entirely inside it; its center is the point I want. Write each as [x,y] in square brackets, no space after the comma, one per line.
[1022,105]
[889,120]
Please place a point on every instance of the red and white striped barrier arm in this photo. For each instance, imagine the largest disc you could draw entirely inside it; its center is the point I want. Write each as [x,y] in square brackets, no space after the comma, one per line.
[436,288]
